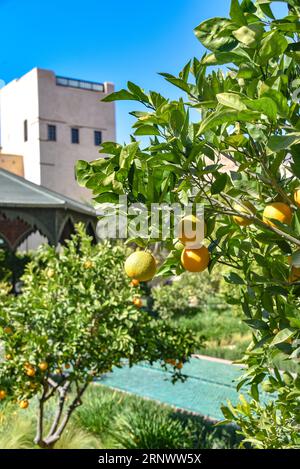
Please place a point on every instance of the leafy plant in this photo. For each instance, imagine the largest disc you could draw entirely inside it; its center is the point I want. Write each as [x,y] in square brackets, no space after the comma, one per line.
[150,427]
[189,294]
[74,320]
[99,411]
[244,148]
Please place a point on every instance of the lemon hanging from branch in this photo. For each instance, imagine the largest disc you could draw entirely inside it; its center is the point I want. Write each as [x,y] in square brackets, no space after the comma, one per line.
[141,265]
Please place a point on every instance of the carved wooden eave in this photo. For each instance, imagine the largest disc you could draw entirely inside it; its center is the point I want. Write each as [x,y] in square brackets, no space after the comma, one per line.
[26,208]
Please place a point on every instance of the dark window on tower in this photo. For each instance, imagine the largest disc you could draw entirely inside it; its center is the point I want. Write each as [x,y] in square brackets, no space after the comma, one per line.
[97,137]
[52,133]
[25,131]
[75,135]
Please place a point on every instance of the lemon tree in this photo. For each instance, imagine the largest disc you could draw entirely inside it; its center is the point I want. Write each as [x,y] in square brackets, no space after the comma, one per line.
[77,317]
[241,158]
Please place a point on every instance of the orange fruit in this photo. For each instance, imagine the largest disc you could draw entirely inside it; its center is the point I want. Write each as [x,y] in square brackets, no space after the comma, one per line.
[195,260]
[134,282]
[137,302]
[24,404]
[179,365]
[297,197]
[241,221]
[7,330]
[170,361]
[43,366]
[2,394]
[191,231]
[8,356]
[140,265]
[67,366]
[30,372]
[277,211]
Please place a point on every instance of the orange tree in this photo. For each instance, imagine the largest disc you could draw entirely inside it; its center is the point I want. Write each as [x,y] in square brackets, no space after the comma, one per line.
[241,159]
[74,320]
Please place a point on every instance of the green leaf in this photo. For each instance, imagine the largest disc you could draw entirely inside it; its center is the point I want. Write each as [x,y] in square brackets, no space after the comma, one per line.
[147,130]
[280,100]
[234,278]
[227,116]
[273,45]
[249,35]
[127,155]
[227,413]
[137,91]
[215,34]
[119,96]
[219,184]
[264,105]
[176,121]
[106,197]
[232,100]
[236,13]
[266,9]
[180,83]
[254,391]
[283,142]
[282,336]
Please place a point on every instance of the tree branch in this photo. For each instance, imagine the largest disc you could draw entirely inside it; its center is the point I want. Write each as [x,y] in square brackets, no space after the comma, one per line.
[54,436]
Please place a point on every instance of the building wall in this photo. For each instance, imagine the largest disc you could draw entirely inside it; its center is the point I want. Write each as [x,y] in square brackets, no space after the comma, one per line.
[37,98]
[67,107]
[12,163]
[19,102]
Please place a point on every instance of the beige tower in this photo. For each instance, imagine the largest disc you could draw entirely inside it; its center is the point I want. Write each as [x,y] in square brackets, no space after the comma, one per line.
[51,122]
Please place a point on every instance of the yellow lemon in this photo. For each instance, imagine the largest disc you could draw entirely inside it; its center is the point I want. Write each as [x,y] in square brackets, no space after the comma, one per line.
[141,266]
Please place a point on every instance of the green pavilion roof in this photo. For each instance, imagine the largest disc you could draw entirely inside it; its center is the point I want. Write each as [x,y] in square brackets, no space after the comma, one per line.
[26,208]
[16,191]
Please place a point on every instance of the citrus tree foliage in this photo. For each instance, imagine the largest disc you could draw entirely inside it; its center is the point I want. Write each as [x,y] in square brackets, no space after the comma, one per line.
[244,147]
[190,293]
[74,320]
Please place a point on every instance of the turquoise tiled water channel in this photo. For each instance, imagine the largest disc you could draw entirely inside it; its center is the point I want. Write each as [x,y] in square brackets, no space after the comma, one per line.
[209,384]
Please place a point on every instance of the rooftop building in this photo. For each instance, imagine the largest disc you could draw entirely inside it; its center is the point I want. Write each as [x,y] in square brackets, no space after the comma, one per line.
[48,122]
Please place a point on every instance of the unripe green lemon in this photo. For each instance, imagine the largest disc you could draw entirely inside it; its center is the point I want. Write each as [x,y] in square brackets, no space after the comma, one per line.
[178,245]
[140,265]
[287,378]
[267,386]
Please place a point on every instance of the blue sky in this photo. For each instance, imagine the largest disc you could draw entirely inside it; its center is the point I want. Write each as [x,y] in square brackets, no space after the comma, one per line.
[104,40]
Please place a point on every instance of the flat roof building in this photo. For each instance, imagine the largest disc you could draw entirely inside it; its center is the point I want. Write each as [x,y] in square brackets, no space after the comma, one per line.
[50,122]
